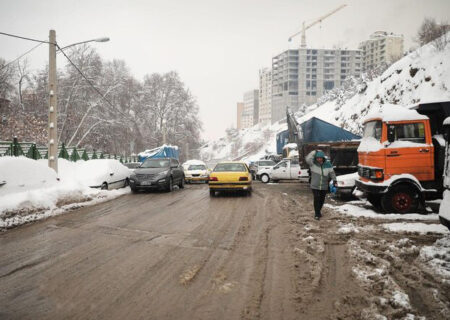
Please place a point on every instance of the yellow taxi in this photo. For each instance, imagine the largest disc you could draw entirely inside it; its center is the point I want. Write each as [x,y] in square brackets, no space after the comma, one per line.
[230,176]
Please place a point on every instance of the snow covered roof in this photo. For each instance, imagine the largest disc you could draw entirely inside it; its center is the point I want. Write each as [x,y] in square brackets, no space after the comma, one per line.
[194,162]
[447,121]
[392,112]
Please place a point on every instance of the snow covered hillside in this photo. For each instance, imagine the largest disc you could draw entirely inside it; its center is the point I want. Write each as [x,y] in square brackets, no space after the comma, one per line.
[421,76]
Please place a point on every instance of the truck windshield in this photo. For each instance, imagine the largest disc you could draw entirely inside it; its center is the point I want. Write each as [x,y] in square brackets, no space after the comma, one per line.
[372,129]
[155,163]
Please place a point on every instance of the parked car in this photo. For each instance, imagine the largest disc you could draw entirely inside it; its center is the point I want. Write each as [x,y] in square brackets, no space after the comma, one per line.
[103,173]
[256,166]
[346,185]
[230,176]
[286,169]
[132,165]
[196,171]
[157,173]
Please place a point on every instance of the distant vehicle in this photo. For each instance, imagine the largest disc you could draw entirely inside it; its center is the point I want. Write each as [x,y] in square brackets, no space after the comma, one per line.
[230,176]
[103,173]
[346,185]
[286,169]
[258,165]
[132,165]
[195,171]
[444,210]
[159,173]
[401,156]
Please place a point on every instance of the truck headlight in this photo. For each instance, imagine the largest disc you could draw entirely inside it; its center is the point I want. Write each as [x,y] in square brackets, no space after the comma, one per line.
[376,174]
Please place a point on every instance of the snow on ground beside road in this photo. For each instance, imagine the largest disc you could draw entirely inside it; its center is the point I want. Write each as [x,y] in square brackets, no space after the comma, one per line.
[353,209]
[418,227]
[32,191]
[437,257]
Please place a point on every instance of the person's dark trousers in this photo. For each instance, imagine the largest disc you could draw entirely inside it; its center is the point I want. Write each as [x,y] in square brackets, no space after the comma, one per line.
[319,199]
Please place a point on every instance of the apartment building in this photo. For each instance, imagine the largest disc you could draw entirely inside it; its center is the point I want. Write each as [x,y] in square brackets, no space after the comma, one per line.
[250,115]
[239,111]
[302,76]
[265,96]
[382,48]
[284,83]
[321,70]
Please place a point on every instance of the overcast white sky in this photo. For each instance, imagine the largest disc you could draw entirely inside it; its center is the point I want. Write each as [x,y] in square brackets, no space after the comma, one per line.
[217,47]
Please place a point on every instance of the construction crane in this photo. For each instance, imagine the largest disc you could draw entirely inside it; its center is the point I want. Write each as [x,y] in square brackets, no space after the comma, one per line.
[304,28]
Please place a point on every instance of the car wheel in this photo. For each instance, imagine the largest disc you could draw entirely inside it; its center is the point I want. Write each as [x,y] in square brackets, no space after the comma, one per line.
[265,178]
[401,199]
[127,182]
[104,186]
[133,189]
[181,185]
[249,193]
[169,187]
[212,193]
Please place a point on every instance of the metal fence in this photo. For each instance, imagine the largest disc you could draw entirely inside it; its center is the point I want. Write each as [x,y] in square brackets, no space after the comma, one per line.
[31,150]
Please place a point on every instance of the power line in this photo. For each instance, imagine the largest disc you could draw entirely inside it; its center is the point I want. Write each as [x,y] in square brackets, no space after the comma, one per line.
[25,38]
[21,56]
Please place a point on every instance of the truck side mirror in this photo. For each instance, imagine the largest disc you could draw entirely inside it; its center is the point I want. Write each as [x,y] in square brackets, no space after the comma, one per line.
[391,133]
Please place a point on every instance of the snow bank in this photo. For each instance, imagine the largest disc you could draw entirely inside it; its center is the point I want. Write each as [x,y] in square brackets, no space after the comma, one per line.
[418,227]
[357,211]
[437,256]
[32,191]
[444,208]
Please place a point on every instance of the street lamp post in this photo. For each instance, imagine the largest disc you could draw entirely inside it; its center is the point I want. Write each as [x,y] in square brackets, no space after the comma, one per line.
[53,106]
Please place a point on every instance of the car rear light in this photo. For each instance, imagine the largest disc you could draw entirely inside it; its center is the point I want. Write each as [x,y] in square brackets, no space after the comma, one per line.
[299,173]
[213,179]
[243,178]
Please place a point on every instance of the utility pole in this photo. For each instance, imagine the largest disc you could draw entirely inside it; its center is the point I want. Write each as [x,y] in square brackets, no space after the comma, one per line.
[52,108]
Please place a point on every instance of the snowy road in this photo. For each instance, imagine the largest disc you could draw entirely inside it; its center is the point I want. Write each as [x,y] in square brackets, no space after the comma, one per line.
[184,255]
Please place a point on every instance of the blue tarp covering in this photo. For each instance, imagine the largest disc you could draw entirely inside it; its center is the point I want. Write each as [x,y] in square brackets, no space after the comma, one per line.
[316,130]
[160,152]
[282,140]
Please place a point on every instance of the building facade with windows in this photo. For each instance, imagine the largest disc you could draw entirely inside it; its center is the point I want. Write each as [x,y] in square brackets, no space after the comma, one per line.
[284,84]
[265,96]
[302,76]
[321,70]
[382,48]
[239,111]
[250,115]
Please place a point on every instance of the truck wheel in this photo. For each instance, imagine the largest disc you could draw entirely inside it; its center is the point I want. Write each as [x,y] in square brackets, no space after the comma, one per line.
[401,199]
[375,200]
[265,178]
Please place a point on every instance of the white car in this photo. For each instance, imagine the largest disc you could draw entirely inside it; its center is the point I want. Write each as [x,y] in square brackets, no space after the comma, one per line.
[286,169]
[346,184]
[103,173]
[195,171]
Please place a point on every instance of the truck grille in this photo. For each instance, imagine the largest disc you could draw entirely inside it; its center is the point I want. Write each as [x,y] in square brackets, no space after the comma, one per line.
[364,172]
[145,176]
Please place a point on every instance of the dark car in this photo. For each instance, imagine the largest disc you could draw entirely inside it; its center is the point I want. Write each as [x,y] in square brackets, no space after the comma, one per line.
[161,173]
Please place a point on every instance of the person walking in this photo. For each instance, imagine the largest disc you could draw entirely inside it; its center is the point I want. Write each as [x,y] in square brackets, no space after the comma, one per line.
[321,173]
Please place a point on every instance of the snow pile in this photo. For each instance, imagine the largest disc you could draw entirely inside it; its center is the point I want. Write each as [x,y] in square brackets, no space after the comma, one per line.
[437,257]
[418,227]
[354,209]
[347,229]
[32,191]
[444,209]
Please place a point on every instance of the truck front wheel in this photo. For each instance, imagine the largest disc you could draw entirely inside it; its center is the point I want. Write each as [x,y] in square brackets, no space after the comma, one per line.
[401,199]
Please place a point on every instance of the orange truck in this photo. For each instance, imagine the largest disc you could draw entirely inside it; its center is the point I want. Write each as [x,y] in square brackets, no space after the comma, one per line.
[401,156]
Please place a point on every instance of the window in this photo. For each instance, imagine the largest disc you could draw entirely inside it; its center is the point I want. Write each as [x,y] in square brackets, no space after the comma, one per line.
[230,167]
[413,132]
[281,165]
[372,129]
[328,85]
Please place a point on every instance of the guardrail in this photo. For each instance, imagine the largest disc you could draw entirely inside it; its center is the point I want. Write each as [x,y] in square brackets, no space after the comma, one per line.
[31,150]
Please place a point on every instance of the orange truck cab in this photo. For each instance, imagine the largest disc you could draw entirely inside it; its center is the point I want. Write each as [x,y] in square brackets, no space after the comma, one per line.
[401,156]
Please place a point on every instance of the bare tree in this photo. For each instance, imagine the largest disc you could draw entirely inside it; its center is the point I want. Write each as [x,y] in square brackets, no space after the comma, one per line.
[7,73]
[22,76]
[431,31]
